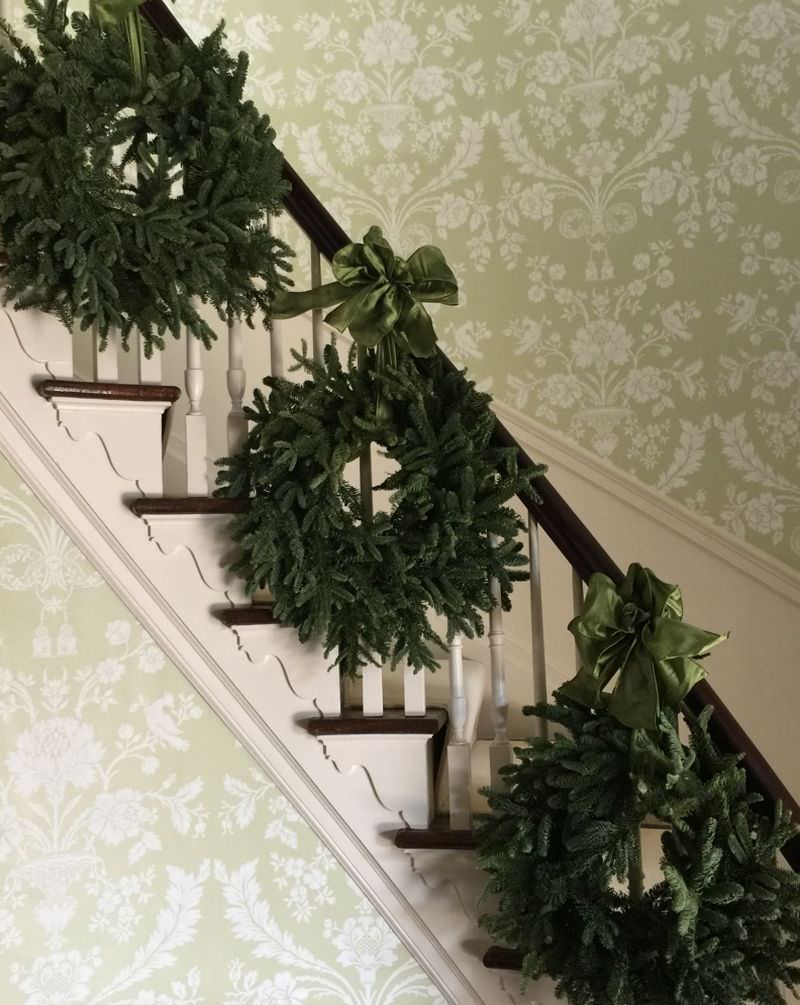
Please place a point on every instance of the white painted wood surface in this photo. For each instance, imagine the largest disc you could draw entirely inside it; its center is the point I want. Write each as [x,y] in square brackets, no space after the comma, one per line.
[414,689]
[346,809]
[106,360]
[372,689]
[148,370]
[501,753]
[459,773]
[318,333]
[196,425]
[538,658]
[236,379]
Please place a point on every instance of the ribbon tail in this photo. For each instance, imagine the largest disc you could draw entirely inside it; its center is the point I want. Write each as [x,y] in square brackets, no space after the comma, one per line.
[290,303]
[635,701]
[676,678]
[415,323]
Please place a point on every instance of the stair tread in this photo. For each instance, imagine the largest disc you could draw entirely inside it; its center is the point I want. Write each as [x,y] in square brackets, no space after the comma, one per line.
[501,958]
[189,505]
[108,390]
[440,835]
[393,722]
[250,614]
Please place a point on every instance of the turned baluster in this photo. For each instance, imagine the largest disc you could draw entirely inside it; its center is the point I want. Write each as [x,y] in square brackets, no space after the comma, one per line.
[540,691]
[237,380]
[500,752]
[196,427]
[459,750]
[317,326]
[277,358]
[577,606]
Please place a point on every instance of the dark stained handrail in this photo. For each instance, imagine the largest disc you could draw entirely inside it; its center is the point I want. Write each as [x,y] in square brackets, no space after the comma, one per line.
[561,524]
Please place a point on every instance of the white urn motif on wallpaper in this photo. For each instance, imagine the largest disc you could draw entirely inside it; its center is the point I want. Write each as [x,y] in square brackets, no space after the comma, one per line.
[388,81]
[610,369]
[46,563]
[596,141]
[62,796]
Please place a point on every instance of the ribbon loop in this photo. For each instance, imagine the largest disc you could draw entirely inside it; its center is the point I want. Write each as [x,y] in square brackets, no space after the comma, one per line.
[378,294]
[636,634]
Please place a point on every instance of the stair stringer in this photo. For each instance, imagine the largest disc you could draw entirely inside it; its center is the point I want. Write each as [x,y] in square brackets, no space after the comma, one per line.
[75,480]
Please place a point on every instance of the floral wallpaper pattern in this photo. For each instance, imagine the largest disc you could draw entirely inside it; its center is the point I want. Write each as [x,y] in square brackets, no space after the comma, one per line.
[616,183]
[144,859]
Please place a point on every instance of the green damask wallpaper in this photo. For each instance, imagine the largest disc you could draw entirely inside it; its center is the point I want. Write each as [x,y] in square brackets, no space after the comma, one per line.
[144,859]
[617,184]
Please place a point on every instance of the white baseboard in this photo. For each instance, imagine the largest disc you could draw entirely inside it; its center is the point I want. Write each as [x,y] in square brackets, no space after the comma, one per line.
[557,451]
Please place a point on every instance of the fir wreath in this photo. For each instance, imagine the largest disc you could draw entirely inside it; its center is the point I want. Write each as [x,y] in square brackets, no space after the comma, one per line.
[123,205]
[367,583]
[723,925]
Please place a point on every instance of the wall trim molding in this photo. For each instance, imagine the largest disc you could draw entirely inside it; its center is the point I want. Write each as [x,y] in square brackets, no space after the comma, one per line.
[553,448]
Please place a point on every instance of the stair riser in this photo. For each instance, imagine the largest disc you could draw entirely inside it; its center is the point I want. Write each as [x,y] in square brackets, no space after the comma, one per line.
[129,431]
[205,537]
[408,791]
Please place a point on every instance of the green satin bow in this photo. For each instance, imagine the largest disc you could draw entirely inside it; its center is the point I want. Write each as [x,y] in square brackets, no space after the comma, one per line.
[636,632]
[380,294]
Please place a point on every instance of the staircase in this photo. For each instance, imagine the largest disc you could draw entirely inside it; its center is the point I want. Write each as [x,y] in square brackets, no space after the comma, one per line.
[387,771]
[89,448]
[267,688]
[93,450]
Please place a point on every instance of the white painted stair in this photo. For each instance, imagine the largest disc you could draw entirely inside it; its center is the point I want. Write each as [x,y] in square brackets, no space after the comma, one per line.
[83,471]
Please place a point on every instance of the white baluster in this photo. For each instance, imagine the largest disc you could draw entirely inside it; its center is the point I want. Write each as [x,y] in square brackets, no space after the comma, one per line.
[500,752]
[149,369]
[196,431]
[106,362]
[237,379]
[277,339]
[365,465]
[329,693]
[577,606]
[372,690]
[317,327]
[540,689]
[413,691]
[459,750]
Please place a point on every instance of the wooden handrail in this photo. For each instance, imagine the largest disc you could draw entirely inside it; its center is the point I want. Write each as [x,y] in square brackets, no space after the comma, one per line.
[561,524]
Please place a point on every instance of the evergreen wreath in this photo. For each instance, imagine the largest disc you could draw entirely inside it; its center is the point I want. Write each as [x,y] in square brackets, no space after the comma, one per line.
[723,925]
[367,583]
[123,205]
